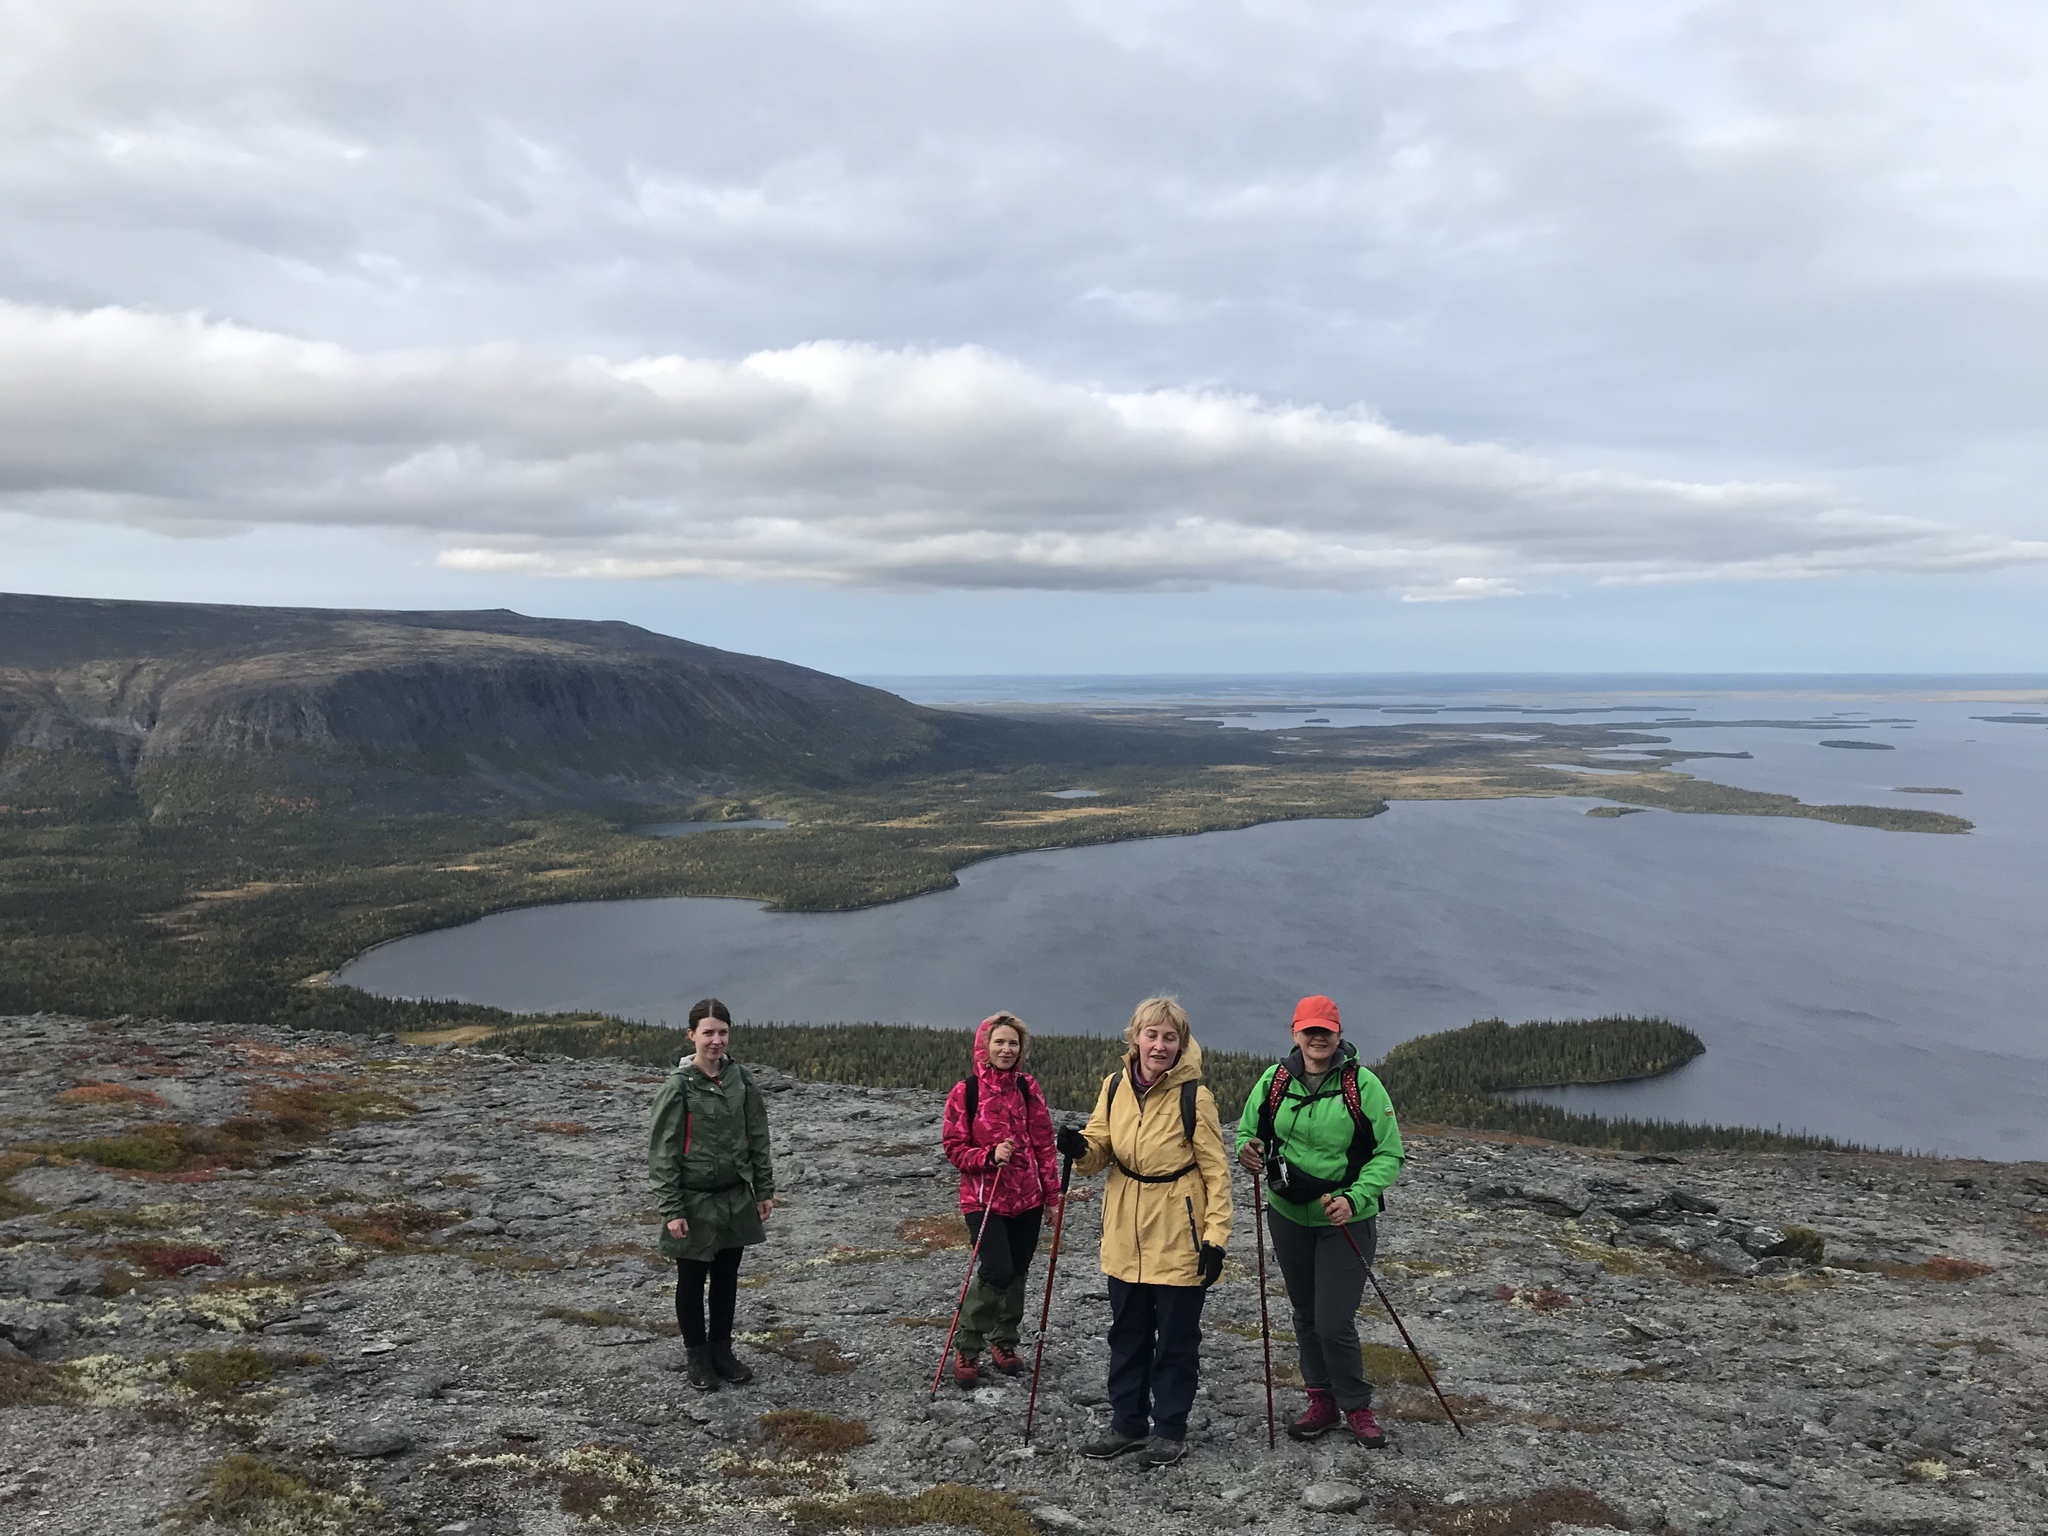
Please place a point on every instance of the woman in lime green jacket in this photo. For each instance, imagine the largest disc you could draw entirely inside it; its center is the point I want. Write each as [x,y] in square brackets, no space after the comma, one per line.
[1323,1130]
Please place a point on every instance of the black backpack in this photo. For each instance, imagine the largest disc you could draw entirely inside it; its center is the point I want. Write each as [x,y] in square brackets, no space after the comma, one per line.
[972,1084]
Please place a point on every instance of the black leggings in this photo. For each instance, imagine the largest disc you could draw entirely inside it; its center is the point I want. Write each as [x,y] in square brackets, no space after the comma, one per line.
[1006,1251]
[724,1274]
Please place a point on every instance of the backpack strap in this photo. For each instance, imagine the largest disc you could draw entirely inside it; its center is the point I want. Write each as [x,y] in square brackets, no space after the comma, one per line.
[1271,1107]
[1363,1140]
[972,1083]
[1187,1106]
[1187,1127]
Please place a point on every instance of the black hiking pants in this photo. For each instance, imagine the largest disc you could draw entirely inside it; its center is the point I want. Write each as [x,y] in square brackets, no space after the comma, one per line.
[723,1274]
[1324,1284]
[1155,1356]
[994,1310]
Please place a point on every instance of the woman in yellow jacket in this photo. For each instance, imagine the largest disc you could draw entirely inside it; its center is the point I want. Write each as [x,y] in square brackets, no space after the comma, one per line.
[1165,1223]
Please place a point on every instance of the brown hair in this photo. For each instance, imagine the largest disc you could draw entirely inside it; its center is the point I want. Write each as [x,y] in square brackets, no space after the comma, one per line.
[709,1008]
[1159,1010]
[1011,1021]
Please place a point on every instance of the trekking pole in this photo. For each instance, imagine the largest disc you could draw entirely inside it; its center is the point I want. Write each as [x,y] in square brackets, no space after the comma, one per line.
[1381,1292]
[973,1256]
[1052,1265]
[1265,1326]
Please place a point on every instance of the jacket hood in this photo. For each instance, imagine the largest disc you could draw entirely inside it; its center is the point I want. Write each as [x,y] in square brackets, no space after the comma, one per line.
[1298,1069]
[1188,1069]
[982,1065]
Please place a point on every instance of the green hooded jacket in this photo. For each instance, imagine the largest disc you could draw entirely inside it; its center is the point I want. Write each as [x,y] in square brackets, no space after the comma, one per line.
[708,1159]
[1314,1131]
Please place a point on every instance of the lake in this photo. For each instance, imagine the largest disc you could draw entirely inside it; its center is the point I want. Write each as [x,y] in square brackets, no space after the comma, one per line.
[1882,987]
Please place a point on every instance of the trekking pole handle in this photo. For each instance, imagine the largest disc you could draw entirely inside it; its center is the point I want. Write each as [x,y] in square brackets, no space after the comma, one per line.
[1066,1172]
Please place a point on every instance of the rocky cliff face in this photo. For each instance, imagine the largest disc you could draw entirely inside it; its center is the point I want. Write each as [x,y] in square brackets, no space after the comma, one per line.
[421,710]
[318,1283]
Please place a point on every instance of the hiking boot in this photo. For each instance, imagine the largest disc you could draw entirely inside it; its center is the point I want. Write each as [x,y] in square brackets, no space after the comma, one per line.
[702,1373]
[1111,1445]
[728,1364]
[1008,1361]
[1366,1428]
[965,1372]
[1162,1452]
[1318,1418]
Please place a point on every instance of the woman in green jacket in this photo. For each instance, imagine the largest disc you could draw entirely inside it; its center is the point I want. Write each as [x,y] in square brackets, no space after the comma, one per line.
[714,1180]
[1324,1131]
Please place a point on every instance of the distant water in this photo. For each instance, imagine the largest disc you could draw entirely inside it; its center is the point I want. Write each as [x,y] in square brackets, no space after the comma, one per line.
[1882,987]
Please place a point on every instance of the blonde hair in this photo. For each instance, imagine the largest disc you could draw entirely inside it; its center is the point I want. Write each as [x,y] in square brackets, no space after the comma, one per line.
[1159,1010]
[1011,1021]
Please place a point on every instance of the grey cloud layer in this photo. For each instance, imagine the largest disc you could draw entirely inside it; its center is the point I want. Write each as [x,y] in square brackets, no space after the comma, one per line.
[1649,247]
[837,462]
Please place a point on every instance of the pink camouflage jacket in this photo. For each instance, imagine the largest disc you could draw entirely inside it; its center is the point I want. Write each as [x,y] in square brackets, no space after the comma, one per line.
[1012,1106]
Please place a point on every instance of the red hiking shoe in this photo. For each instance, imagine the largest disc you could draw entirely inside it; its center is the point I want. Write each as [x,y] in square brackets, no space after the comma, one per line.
[1320,1416]
[1365,1427]
[965,1372]
[1008,1361]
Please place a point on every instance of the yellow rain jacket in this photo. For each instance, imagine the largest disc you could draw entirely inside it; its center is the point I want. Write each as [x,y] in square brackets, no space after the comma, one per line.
[1146,1237]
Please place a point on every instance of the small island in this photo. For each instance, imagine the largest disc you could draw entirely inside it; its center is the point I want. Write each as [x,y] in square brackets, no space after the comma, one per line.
[1862,746]
[1924,789]
[1611,812]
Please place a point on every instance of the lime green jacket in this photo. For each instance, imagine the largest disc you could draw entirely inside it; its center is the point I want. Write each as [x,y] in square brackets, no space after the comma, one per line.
[1314,1131]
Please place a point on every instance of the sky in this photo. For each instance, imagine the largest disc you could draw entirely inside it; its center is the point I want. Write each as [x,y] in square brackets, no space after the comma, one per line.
[920,338]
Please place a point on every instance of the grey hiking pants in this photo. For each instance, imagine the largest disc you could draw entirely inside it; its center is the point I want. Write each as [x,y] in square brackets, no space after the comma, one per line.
[1324,1284]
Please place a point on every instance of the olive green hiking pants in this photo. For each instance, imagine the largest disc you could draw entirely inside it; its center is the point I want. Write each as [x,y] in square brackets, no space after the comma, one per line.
[994,1310]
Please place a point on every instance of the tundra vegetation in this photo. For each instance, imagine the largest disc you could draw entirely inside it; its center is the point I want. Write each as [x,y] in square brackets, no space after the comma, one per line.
[204,811]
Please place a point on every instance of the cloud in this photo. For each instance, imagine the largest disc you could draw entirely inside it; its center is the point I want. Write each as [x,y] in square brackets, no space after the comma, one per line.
[849,464]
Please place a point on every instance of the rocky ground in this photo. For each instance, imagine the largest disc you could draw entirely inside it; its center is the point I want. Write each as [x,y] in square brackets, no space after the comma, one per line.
[341,1285]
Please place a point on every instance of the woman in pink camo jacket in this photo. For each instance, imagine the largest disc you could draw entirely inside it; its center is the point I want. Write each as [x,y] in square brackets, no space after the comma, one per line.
[1009,1179]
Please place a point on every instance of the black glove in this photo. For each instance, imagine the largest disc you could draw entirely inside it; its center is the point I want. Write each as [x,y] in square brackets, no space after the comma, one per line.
[1210,1264]
[1071,1143]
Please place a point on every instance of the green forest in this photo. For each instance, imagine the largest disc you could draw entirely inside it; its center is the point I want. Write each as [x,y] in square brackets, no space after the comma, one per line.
[235,902]
[1453,1078]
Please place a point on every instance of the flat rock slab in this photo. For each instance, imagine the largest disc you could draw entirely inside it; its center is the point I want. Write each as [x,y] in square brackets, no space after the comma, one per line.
[1332,1498]
[372,1441]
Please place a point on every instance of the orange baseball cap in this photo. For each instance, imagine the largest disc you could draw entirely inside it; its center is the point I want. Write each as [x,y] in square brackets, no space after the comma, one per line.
[1317,1012]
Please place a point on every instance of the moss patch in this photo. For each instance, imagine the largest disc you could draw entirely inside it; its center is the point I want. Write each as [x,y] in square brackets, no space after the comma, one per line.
[166,1260]
[280,1118]
[242,1493]
[109,1096]
[804,1433]
[821,1354]
[392,1228]
[595,1317]
[1533,1514]
[929,1234]
[1390,1363]
[952,1504]
[609,1485]
[33,1384]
